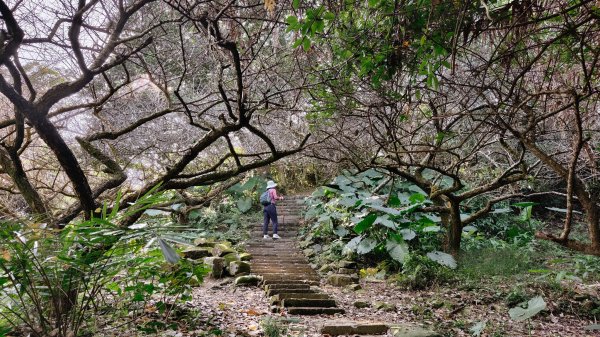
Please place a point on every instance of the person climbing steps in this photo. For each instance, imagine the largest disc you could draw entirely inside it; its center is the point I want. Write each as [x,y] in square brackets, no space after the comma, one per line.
[269,199]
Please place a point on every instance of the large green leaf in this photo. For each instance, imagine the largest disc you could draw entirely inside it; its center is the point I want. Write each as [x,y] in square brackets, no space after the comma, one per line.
[385,221]
[394,201]
[348,201]
[387,210]
[244,204]
[366,246]
[352,245]
[397,250]
[341,231]
[442,258]
[522,312]
[168,252]
[478,328]
[592,327]
[365,223]
[408,234]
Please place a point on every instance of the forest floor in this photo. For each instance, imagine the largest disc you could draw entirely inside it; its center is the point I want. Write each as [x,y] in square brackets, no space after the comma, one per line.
[231,311]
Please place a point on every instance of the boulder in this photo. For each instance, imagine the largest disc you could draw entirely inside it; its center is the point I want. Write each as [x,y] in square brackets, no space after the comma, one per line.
[325,268]
[347,264]
[309,252]
[339,280]
[248,280]
[196,253]
[361,304]
[220,250]
[384,306]
[216,264]
[238,267]
[245,256]
[346,271]
[204,242]
[230,258]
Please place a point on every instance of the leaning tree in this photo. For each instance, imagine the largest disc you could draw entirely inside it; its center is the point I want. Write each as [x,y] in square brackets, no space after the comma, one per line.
[110,95]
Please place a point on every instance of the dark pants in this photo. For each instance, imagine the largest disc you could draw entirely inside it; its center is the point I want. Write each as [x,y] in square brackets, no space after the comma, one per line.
[270,213]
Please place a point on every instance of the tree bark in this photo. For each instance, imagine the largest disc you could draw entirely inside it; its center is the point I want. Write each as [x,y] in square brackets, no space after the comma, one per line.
[14,168]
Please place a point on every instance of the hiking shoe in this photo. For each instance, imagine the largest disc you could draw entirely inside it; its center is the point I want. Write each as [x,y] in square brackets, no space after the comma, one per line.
[275,236]
[266,236]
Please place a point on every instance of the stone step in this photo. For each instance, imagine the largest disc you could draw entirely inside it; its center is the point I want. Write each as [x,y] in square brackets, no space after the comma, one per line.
[315,296]
[314,311]
[282,268]
[274,259]
[287,286]
[272,292]
[308,302]
[353,328]
[295,278]
[275,281]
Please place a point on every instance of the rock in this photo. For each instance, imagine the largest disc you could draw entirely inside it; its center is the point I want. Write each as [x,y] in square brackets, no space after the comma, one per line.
[384,306]
[216,264]
[317,248]
[325,268]
[354,287]
[346,271]
[361,304]
[309,252]
[305,243]
[204,242]
[245,256]
[238,267]
[412,331]
[341,280]
[220,250]
[248,280]
[313,266]
[230,258]
[353,328]
[196,253]
[347,264]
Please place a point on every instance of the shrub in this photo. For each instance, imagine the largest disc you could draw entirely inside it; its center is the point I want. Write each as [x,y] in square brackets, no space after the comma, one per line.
[420,272]
[54,283]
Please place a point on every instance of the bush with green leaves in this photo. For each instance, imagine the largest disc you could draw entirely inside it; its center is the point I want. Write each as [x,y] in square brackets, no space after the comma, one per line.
[56,282]
[421,272]
[375,216]
[229,216]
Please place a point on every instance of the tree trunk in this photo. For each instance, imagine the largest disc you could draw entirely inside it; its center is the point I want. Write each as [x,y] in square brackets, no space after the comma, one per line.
[50,135]
[452,223]
[14,168]
[454,228]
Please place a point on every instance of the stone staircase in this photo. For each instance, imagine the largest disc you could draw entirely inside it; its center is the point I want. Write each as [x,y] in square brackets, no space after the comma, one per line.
[287,277]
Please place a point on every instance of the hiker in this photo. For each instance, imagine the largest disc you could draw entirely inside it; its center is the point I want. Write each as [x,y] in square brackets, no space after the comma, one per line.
[268,199]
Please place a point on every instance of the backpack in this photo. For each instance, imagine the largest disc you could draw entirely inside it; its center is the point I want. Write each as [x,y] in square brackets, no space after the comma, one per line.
[265,198]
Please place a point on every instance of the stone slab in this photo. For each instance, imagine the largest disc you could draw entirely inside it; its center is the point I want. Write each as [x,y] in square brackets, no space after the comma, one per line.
[354,328]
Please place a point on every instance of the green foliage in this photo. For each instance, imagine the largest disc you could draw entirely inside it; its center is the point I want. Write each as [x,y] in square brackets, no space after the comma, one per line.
[504,261]
[515,296]
[273,327]
[246,194]
[52,283]
[527,310]
[376,217]
[420,272]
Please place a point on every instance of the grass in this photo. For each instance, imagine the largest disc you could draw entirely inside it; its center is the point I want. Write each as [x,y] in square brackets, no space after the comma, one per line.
[505,262]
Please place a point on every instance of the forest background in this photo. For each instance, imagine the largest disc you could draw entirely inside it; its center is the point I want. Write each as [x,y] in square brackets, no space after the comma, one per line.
[454,115]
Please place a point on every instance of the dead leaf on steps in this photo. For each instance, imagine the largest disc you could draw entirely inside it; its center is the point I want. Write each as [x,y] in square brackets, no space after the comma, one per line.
[252,312]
